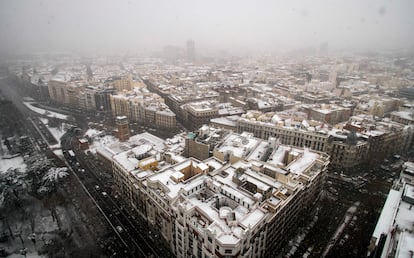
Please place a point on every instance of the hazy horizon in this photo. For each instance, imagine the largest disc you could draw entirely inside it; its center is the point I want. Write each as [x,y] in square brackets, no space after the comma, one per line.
[145,26]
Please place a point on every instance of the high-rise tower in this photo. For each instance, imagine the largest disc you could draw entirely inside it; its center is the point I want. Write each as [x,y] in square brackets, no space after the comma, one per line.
[123,128]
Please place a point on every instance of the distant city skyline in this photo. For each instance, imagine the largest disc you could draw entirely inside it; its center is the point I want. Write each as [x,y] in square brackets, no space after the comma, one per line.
[239,26]
[211,155]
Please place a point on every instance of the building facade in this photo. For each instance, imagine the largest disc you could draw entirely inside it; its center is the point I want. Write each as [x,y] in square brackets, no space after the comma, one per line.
[215,208]
[58,91]
[287,135]
[146,108]
[122,128]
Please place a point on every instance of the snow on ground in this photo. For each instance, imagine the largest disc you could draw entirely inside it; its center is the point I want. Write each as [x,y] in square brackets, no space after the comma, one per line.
[102,142]
[44,120]
[56,132]
[93,132]
[99,139]
[45,112]
[14,163]
[45,228]
[59,153]
[7,163]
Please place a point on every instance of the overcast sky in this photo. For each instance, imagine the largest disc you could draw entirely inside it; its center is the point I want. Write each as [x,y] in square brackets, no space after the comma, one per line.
[60,25]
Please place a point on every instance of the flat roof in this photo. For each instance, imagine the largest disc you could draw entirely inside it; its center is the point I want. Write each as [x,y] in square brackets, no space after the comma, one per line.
[386,218]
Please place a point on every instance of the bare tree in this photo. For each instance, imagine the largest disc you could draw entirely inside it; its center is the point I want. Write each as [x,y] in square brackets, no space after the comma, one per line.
[50,181]
[12,183]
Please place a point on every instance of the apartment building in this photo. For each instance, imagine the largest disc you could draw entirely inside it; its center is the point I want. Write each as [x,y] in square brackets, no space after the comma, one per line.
[86,98]
[361,139]
[165,118]
[346,148]
[331,114]
[227,122]
[132,162]
[122,83]
[65,92]
[245,209]
[393,235]
[102,98]
[384,140]
[407,172]
[58,90]
[215,208]
[201,143]
[159,115]
[287,131]
[375,105]
[120,105]
[143,107]
[403,117]
[199,113]
[196,114]
[177,99]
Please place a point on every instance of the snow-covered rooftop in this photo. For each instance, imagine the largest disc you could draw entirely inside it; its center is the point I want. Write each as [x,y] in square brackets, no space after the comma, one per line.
[302,163]
[238,144]
[396,222]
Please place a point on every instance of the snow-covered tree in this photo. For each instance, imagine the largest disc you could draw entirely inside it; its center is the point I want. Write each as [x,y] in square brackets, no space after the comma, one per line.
[38,162]
[53,176]
[13,181]
[50,181]
[37,166]
[12,187]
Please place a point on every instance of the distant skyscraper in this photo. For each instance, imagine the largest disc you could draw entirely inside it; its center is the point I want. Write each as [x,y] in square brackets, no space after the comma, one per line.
[190,50]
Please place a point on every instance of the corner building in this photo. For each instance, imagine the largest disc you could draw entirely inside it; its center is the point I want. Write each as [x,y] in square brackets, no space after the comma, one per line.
[249,208]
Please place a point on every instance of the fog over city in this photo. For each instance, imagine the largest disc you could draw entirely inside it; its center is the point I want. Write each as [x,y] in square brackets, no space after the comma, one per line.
[259,26]
[215,128]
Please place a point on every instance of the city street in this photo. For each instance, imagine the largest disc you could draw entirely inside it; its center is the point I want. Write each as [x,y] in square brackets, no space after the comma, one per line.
[130,228]
[81,233]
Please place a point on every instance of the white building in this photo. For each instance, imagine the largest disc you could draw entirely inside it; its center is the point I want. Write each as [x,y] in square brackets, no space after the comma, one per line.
[394,234]
[247,207]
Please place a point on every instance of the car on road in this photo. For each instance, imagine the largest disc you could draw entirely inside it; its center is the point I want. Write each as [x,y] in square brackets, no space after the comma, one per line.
[119,228]
[104,194]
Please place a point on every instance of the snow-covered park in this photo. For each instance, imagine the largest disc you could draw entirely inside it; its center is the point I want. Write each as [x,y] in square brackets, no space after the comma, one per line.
[27,224]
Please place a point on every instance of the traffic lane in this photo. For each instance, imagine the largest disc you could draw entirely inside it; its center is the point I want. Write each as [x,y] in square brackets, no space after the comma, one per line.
[129,249]
[100,188]
[102,198]
[18,102]
[138,227]
[113,212]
